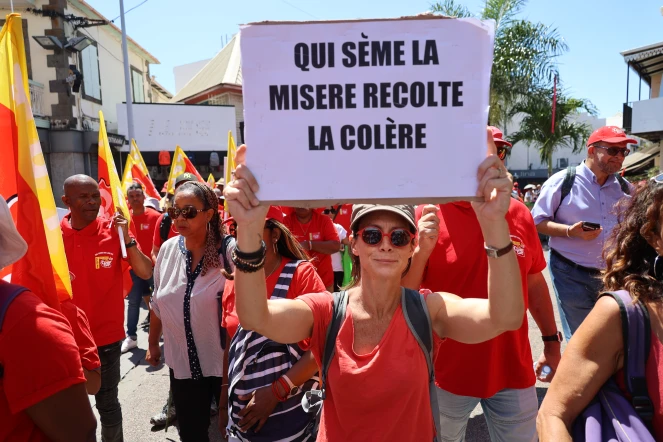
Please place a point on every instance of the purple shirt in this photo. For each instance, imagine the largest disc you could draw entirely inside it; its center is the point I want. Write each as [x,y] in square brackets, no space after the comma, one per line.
[587,201]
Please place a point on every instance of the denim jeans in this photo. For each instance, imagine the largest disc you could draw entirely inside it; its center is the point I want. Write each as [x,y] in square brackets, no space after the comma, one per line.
[510,414]
[108,404]
[141,287]
[576,290]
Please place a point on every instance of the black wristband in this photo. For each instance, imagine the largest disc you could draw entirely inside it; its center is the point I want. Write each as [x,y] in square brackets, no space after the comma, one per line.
[553,338]
[131,243]
[253,256]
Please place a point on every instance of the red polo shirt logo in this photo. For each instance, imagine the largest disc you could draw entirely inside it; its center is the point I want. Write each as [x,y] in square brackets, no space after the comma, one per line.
[518,245]
[103,260]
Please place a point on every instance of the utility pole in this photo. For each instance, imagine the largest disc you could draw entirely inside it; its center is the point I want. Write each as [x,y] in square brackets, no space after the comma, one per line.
[127,76]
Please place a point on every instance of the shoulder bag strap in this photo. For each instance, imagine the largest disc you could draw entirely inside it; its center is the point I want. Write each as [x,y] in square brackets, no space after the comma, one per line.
[338,316]
[567,185]
[418,321]
[636,332]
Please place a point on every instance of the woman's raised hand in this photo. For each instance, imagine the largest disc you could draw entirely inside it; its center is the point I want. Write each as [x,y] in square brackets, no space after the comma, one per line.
[240,194]
[495,185]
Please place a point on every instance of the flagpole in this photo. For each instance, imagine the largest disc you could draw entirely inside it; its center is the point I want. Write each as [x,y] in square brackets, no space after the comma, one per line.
[11,3]
[127,75]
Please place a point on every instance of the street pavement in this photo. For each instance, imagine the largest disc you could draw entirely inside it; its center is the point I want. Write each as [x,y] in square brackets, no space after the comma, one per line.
[144,390]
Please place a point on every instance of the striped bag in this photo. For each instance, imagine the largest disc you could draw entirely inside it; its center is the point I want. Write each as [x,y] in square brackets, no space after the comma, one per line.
[256,362]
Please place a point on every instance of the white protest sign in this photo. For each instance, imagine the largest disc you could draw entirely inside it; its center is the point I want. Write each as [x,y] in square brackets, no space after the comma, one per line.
[366,110]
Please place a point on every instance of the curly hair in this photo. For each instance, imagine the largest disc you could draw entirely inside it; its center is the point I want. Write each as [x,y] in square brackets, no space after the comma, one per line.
[628,255]
[215,230]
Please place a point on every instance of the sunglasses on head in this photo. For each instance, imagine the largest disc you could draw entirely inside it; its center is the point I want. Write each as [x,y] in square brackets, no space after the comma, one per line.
[614,151]
[398,237]
[501,152]
[188,212]
[658,179]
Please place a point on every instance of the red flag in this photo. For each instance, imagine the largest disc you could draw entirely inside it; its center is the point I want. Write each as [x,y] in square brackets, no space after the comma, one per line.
[554,105]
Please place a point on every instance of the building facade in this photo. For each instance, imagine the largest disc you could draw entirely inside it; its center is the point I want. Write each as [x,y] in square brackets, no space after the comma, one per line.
[64,40]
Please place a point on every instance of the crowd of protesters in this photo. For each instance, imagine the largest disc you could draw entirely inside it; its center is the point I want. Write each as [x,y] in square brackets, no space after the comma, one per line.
[346,323]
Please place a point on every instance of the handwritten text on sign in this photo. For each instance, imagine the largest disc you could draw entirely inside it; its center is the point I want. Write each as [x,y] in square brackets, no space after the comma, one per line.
[351,88]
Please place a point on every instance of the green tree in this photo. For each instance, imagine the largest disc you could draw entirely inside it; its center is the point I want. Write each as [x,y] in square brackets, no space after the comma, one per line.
[535,127]
[524,55]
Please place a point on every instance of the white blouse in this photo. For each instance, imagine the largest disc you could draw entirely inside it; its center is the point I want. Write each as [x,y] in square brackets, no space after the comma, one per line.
[192,343]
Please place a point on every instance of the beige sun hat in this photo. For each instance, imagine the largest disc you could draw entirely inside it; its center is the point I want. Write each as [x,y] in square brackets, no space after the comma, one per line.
[12,244]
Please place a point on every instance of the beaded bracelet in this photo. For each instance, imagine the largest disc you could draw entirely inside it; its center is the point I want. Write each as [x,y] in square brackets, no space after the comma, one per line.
[247,267]
[253,256]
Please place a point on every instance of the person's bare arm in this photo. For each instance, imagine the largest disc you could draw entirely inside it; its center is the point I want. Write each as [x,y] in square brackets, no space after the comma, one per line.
[541,308]
[153,355]
[551,228]
[92,381]
[428,229]
[593,355]
[324,247]
[65,416]
[141,264]
[155,253]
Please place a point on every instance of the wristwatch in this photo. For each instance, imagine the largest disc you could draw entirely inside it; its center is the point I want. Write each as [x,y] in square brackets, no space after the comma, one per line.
[131,243]
[493,252]
[293,388]
[553,338]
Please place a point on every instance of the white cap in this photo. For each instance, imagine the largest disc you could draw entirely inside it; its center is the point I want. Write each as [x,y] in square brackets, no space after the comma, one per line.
[12,244]
[153,203]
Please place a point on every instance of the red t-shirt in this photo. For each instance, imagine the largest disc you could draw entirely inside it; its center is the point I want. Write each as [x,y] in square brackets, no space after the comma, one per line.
[380,395]
[144,227]
[304,280]
[39,356]
[156,240]
[459,265]
[654,376]
[83,335]
[320,228]
[343,216]
[95,268]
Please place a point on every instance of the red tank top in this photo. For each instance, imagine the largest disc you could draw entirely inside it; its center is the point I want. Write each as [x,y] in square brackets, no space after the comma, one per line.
[654,375]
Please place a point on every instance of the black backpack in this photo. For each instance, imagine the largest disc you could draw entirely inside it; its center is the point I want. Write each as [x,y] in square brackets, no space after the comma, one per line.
[570,178]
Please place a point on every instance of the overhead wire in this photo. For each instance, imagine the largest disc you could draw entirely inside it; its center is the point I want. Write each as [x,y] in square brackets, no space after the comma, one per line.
[128,11]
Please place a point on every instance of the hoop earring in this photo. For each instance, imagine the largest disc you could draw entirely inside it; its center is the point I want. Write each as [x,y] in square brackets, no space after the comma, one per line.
[656,263]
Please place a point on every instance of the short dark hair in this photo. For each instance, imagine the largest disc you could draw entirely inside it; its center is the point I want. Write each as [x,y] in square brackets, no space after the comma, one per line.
[135,186]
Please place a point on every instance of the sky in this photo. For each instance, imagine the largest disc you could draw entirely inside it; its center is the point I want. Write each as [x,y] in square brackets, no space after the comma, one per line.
[178,32]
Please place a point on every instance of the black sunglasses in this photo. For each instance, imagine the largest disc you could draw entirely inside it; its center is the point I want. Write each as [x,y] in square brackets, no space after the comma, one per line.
[614,151]
[188,212]
[398,237]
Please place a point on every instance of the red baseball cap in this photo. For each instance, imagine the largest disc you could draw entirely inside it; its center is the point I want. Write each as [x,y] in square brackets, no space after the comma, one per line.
[274,213]
[498,137]
[610,134]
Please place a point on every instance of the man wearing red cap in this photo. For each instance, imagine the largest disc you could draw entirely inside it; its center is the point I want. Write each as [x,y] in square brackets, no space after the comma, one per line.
[498,373]
[575,208]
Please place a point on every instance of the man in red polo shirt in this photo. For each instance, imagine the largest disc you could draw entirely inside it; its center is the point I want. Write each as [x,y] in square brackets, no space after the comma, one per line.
[94,257]
[144,219]
[498,373]
[317,235]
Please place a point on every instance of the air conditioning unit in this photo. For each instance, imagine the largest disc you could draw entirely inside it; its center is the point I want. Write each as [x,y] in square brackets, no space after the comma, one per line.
[563,163]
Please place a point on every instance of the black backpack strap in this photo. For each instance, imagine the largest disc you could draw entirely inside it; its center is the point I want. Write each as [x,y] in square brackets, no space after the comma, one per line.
[567,185]
[225,243]
[8,292]
[164,227]
[418,321]
[623,184]
[338,316]
[636,332]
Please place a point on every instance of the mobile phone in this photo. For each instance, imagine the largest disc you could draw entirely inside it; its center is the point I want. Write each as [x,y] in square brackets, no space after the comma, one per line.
[587,226]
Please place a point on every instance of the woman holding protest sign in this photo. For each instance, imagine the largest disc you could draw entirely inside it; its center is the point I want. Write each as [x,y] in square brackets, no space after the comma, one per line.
[379,355]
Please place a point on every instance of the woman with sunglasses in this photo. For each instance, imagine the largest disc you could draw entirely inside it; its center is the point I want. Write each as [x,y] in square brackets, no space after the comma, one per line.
[378,380]
[187,285]
[634,257]
[268,379]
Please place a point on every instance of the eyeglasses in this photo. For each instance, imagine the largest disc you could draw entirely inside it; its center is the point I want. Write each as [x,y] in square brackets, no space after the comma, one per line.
[188,212]
[398,237]
[328,211]
[501,152]
[613,151]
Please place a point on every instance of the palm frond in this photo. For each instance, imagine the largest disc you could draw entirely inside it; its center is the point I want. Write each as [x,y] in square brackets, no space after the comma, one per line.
[451,9]
[502,11]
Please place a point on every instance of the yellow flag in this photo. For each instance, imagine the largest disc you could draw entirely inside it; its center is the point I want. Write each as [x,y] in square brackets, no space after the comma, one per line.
[24,181]
[110,186]
[230,164]
[181,164]
[211,181]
